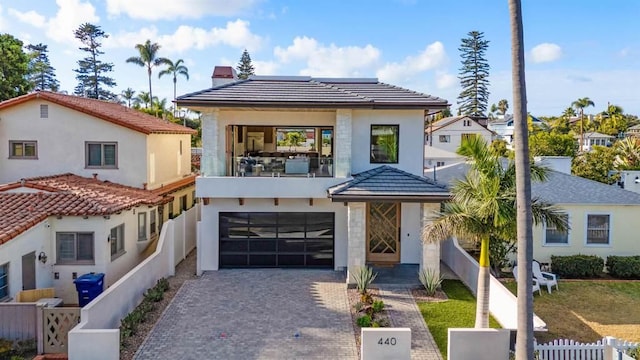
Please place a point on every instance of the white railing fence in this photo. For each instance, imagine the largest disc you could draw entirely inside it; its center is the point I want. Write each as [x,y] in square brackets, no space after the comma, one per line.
[99,328]
[608,348]
[502,303]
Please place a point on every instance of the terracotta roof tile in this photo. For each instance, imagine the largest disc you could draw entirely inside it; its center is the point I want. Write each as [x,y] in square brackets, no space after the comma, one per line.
[175,186]
[108,111]
[66,195]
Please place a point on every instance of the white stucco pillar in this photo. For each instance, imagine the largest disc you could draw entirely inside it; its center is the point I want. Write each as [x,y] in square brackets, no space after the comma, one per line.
[356,242]
[343,143]
[430,258]
[212,161]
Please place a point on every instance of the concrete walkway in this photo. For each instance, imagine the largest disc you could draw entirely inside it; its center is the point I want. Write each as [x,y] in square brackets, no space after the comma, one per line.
[256,314]
[405,313]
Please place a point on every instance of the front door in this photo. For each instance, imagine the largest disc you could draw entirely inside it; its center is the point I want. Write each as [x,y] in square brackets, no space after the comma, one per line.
[383,230]
[29,271]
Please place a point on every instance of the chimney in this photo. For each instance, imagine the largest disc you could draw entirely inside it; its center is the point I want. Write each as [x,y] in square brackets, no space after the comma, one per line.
[223,75]
[144,186]
[557,163]
[95,176]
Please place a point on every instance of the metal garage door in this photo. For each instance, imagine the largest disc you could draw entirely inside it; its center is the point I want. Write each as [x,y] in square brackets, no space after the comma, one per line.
[277,239]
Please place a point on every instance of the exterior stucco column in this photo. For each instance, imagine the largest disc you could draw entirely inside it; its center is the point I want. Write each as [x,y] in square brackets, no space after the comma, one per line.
[343,143]
[212,161]
[430,251]
[356,242]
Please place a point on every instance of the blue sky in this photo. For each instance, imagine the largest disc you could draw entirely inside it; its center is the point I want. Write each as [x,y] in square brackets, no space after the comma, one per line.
[573,48]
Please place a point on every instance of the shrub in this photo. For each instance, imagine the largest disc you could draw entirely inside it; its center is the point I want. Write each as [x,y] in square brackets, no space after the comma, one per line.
[364,321]
[363,277]
[625,267]
[154,295]
[577,266]
[431,280]
[377,306]
[162,285]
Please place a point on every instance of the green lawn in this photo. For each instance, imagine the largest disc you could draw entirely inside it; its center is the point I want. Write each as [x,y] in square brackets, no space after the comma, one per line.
[457,312]
[587,311]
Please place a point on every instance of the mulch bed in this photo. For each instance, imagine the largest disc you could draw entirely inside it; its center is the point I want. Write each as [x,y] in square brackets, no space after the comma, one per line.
[420,295]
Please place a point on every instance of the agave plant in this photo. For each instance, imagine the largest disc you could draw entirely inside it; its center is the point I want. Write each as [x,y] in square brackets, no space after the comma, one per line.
[363,277]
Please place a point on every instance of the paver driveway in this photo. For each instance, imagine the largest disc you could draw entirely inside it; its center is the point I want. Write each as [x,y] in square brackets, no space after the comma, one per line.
[256,314]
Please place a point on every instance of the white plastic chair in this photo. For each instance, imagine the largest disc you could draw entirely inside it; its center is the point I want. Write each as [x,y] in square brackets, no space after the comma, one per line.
[536,284]
[543,277]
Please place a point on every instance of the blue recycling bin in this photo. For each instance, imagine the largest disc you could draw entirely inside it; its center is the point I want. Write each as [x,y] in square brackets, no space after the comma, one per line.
[89,286]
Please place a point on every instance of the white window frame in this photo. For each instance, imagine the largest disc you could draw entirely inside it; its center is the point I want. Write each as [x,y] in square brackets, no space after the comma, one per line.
[4,290]
[23,143]
[544,234]
[142,226]
[466,122]
[447,138]
[76,245]
[102,158]
[586,229]
[117,250]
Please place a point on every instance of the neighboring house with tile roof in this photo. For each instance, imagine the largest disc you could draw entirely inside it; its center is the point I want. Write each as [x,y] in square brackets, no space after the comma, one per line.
[73,225]
[602,217]
[277,163]
[447,133]
[45,133]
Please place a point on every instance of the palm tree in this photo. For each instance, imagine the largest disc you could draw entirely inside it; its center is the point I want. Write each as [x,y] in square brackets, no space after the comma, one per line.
[579,105]
[628,154]
[613,121]
[526,213]
[503,106]
[175,69]
[484,207]
[128,95]
[148,58]
[143,98]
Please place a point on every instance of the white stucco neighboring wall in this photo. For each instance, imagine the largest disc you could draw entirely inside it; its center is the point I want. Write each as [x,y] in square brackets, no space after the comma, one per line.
[32,240]
[169,159]
[411,140]
[209,231]
[623,233]
[61,144]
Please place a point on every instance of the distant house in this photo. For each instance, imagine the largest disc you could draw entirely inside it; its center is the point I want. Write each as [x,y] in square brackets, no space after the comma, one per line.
[504,127]
[46,133]
[602,217]
[434,156]
[447,133]
[634,131]
[55,228]
[590,139]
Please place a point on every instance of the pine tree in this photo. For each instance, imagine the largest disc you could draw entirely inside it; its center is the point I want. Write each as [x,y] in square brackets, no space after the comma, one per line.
[92,72]
[474,75]
[42,75]
[245,68]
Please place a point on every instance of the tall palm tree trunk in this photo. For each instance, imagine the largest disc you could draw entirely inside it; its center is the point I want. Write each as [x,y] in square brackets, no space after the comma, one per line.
[175,80]
[482,305]
[150,93]
[524,221]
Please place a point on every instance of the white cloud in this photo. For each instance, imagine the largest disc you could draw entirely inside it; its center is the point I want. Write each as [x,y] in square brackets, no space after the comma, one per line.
[30,17]
[445,80]
[186,9]
[236,34]
[546,52]
[432,57]
[329,60]
[265,67]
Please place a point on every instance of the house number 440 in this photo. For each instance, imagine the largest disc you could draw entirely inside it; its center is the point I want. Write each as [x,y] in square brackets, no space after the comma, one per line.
[387,341]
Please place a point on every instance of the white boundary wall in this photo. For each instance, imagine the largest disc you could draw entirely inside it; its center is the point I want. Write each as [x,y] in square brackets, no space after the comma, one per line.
[99,328]
[502,303]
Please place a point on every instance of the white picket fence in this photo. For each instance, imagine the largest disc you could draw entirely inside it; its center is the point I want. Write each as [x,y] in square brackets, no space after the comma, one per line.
[564,349]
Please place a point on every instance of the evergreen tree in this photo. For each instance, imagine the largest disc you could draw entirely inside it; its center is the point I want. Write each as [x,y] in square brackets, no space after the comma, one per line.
[13,68]
[245,68]
[474,75]
[42,75]
[92,72]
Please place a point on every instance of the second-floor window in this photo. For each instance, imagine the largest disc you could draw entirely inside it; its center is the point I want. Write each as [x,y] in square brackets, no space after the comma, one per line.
[444,138]
[466,122]
[467,136]
[385,143]
[23,149]
[102,155]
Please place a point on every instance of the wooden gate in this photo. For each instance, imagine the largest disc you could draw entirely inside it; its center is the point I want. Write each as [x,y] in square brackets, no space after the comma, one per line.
[56,324]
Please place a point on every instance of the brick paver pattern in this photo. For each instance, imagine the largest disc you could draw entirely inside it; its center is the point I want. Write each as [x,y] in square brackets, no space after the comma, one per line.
[405,313]
[256,314]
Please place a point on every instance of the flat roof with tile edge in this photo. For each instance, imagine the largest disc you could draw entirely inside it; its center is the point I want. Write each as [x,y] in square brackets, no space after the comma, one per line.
[305,91]
[65,195]
[105,110]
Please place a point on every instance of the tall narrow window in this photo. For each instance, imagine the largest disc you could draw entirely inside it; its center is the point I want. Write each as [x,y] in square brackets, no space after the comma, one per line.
[4,281]
[152,222]
[183,203]
[116,237]
[142,226]
[44,111]
[23,149]
[171,209]
[384,143]
[101,155]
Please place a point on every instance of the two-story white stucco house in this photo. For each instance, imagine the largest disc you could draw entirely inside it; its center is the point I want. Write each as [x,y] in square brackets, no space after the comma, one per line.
[55,228]
[46,133]
[443,138]
[312,172]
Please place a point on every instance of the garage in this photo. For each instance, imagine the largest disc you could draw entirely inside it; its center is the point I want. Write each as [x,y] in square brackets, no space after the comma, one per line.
[277,239]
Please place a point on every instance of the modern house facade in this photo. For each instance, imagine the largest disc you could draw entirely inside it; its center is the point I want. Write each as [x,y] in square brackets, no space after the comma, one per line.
[311,172]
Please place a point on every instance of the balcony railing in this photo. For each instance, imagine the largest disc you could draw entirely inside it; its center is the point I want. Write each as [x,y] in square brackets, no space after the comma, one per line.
[289,166]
